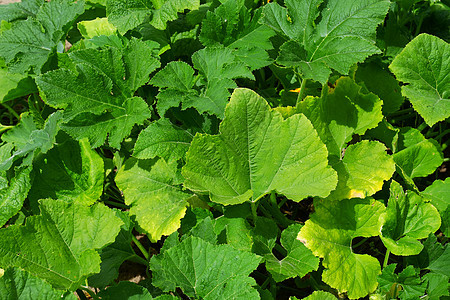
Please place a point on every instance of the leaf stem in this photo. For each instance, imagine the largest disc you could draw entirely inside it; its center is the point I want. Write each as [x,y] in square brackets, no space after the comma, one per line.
[141,248]
[11,111]
[254,212]
[386,258]
[302,92]
[5,127]
[136,258]
[116,204]
[360,243]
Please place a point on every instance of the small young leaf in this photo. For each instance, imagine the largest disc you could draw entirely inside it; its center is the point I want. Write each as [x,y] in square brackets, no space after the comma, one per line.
[416,156]
[407,219]
[406,285]
[299,260]
[353,179]
[163,139]
[438,194]
[424,65]
[341,113]
[29,141]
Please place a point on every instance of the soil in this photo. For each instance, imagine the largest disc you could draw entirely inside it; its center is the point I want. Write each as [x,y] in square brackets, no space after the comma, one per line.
[8,1]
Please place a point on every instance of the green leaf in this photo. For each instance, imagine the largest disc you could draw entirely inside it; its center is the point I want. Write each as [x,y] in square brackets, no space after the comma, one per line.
[98,101]
[29,43]
[97,27]
[127,15]
[423,66]
[438,194]
[405,285]
[417,156]
[167,10]
[14,85]
[353,179]
[238,232]
[21,285]
[232,166]
[206,271]
[233,26]
[381,82]
[433,257]
[20,10]
[344,35]
[115,254]
[29,141]
[438,285]
[159,212]
[163,139]
[60,245]
[70,172]
[299,260]
[320,295]
[407,219]
[329,234]
[13,192]
[217,69]
[341,113]
[125,290]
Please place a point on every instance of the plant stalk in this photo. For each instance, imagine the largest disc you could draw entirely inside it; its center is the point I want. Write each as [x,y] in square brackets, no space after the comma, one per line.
[141,247]
[386,258]
[254,212]
[302,92]
[11,111]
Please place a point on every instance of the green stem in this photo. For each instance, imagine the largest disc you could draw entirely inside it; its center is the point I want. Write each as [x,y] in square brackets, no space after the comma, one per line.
[81,295]
[302,92]
[141,248]
[282,202]
[265,283]
[196,79]
[360,243]
[5,127]
[11,111]
[280,249]
[441,135]
[401,112]
[116,204]
[137,259]
[386,258]
[254,212]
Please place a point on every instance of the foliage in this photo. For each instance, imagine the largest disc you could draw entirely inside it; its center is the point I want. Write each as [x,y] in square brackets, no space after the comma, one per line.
[224,149]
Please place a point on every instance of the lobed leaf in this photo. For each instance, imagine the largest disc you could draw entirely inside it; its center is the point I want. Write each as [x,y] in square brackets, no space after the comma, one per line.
[156,199]
[29,43]
[232,166]
[21,285]
[60,244]
[424,67]
[205,270]
[71,171]
[329,233]
[344,35]
[407,219]
[438,194]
